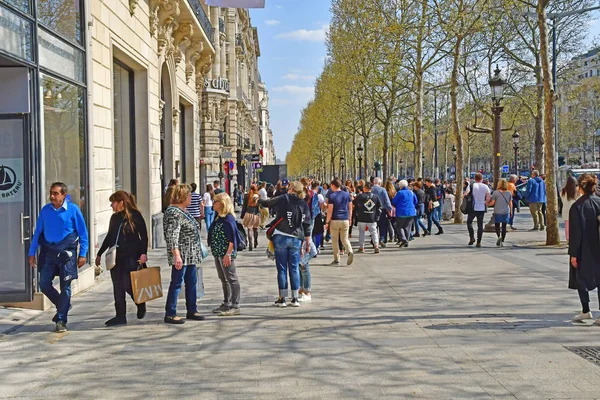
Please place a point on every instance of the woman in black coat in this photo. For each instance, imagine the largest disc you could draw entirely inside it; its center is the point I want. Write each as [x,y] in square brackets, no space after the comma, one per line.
[584,240]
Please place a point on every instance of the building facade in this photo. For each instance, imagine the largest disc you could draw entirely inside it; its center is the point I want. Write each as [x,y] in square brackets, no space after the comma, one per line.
[103,96]
[231,135]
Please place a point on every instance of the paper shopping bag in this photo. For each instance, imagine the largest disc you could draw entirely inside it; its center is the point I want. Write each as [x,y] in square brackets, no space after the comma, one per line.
[146,284]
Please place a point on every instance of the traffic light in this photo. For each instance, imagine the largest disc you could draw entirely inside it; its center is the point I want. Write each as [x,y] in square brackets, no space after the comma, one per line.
[561,161]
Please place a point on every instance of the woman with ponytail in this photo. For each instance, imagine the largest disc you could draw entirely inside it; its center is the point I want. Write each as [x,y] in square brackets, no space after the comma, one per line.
[584,274]
[126,230]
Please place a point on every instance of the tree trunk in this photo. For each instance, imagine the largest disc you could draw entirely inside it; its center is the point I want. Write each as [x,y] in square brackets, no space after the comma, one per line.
[458,217]
[539,121]
[366,175]
[552,235]
[386,148]
[419,124]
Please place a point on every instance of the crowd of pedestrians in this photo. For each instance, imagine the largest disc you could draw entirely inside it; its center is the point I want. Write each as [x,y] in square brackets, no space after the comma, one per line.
[306,215]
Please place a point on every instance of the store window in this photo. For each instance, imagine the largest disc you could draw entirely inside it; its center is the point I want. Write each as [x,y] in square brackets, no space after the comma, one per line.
[60,57]
[63,137]
[62,17]
[182,147]
[15,34]
[124,127]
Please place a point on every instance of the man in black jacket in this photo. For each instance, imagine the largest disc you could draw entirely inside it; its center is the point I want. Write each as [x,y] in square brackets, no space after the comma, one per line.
[368,209]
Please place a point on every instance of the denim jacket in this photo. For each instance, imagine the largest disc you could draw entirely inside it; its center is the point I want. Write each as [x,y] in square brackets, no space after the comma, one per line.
[64,254]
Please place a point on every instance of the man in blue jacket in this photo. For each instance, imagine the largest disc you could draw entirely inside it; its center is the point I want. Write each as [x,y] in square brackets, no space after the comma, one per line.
[536,196]
[59,232]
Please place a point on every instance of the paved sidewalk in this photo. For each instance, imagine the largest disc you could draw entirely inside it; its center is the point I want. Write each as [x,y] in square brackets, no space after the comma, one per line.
[438,320]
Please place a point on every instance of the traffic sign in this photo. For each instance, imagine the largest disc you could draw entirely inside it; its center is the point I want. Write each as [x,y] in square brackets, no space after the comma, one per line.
[255,157]
[257,165]
[505,169]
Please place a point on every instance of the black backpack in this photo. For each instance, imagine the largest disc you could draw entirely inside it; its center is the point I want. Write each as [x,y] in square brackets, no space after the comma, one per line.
[242,239]
[468,204]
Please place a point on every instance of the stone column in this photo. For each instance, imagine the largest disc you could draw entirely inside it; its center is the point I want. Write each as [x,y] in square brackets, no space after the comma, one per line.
[214,71]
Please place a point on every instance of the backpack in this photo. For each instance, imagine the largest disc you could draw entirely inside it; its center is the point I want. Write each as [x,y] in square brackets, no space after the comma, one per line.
[468,204]
[315,207]
[242,239]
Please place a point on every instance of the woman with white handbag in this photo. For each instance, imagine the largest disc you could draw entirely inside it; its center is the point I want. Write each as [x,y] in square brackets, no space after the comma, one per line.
[125,244]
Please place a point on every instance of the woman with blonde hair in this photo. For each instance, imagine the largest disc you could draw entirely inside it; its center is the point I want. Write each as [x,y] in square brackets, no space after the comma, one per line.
[569,194]
[251,215]
[184,251]
[290,227]
[222,239]
[126,230]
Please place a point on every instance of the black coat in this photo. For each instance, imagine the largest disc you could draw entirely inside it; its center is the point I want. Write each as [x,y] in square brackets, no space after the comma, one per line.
[584,243]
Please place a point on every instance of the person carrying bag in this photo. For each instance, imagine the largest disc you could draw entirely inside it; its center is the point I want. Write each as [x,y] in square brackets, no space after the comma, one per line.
[128,240]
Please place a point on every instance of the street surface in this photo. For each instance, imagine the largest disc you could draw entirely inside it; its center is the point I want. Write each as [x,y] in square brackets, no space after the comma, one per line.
[438,320]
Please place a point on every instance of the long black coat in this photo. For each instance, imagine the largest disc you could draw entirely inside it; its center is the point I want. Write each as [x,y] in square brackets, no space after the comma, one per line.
[584,243]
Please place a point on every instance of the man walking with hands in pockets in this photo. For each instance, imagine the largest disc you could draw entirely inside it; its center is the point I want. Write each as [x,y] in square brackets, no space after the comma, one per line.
[59,231]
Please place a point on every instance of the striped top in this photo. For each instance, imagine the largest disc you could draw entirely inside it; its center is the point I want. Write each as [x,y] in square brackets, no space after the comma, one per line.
[194,207]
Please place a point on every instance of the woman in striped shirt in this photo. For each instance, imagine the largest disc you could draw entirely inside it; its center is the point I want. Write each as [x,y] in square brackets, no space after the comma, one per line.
[196,207]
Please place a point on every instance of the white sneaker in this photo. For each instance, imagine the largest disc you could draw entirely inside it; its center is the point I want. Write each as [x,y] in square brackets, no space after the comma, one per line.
[596,322]
[583,316]
[305,297]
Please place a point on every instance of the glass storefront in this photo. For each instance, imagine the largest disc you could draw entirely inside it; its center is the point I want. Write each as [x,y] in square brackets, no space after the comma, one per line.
[45,39]
[124,127]
[63,133]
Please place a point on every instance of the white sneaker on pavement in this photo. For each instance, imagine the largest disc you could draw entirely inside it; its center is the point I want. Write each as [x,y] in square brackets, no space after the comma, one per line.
[305,297]
[583,316]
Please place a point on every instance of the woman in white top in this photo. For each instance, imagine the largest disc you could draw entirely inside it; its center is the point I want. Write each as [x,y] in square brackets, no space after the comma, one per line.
[568,195]
[207,199]
[448,208]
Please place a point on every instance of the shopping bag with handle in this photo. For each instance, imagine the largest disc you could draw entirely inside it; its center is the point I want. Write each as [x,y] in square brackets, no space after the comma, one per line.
[146,284]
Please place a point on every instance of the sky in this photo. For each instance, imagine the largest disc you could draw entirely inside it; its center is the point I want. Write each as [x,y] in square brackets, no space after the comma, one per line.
[292,43]
[291,35]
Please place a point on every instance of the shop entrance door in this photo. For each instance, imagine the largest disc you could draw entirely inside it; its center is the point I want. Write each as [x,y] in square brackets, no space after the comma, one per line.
[15,273]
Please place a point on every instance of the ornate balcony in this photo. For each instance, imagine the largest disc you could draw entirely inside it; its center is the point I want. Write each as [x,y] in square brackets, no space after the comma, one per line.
[203,18]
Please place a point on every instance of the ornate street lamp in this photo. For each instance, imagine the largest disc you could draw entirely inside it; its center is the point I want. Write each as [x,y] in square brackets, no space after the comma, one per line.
[515,137]
[497,85]
[342,166]
[454,156]
[360,151]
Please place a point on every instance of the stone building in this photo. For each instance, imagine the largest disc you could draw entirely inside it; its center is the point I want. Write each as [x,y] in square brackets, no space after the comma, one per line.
[230,125]
[101,95]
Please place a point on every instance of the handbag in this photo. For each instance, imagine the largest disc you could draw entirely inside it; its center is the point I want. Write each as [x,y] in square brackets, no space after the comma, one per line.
[203,250]
[110,257]
[271,229]
[436,204]
[146,284]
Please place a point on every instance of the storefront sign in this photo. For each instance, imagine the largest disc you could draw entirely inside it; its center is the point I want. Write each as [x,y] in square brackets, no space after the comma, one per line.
[217,83]
[11,180]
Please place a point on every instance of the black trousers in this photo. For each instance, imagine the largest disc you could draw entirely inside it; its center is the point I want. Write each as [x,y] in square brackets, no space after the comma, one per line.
[584,296]
[472,215]
[121,279]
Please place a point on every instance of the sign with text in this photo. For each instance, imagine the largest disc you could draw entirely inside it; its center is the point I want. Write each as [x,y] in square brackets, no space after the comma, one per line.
[257,165]
[505,169]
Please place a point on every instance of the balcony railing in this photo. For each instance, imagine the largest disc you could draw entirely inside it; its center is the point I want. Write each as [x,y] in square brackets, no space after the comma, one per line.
[239,42]
[203,18]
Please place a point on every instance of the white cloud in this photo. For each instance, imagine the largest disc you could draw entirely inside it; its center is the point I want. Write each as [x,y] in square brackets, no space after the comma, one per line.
[316,35]
[282,102]
[278,6]
[272,22]
[293,89]
[296,77]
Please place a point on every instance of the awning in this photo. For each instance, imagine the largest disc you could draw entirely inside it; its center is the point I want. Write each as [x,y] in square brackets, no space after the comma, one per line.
[237,3]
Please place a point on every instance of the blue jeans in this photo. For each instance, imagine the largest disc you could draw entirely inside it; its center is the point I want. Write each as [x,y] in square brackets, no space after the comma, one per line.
[438,210]
[383,227]
[305,268]
[187,274]
[61,300]
[209,216]
[433,219]
[287,257]
[418,220]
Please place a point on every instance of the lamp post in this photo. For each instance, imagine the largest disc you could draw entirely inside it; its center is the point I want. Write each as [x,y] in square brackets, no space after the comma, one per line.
[401,168]
[342,166]
[497,85]
[423,165]
[360,151]
[515,137]
[454,156]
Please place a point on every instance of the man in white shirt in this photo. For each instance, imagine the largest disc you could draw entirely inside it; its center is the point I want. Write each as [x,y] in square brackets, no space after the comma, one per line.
[481,194]
[264,211]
